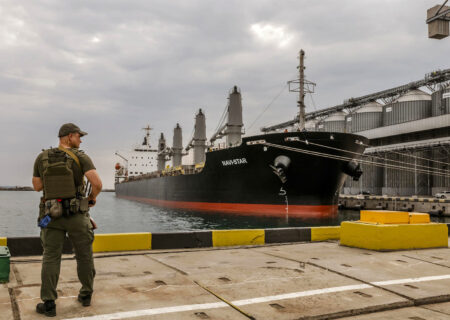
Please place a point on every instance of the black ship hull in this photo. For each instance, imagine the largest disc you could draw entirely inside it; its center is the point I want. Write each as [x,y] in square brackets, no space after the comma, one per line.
[244,180]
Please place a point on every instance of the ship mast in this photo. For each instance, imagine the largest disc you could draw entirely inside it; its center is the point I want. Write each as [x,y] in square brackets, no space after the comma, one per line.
[147,135]
[304,86]
[301,95]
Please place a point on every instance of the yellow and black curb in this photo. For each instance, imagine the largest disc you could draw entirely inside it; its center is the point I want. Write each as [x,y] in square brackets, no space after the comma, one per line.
[28,246]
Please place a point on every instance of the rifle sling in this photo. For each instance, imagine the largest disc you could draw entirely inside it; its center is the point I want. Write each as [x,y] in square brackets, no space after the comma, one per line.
[72,155]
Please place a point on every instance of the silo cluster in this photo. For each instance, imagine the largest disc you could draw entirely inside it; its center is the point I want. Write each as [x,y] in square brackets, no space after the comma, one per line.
[413,105]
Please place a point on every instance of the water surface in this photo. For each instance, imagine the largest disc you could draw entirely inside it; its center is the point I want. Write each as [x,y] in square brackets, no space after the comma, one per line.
[19,211]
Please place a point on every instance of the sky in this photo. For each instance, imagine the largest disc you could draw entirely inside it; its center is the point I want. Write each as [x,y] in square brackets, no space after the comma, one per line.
[113,67]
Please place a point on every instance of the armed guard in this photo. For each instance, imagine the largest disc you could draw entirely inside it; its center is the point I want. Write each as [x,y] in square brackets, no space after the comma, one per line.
[64,210]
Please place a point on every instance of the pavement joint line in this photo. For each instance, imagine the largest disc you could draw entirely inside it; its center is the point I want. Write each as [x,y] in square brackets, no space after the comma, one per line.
[167,265]
[226,301]
[357,312]
[428,308]
[17,275]
[423,260]
[14,304]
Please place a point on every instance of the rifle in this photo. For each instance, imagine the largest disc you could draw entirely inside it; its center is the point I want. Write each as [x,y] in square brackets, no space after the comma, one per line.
[87,192]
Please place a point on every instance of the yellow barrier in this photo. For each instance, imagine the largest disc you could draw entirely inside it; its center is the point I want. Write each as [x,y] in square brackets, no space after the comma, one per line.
[384,216]
[224,238]
[122,242]
[417,217]
[3,242]
[325,233]
[393,237]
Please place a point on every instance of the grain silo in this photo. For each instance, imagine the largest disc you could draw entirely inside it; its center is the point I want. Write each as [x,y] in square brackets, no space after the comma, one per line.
[335,122]
[311,125]
[440,101]
[413,105]
[369,116]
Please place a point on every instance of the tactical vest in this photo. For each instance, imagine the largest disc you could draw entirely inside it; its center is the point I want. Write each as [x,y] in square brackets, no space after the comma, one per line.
[58,176]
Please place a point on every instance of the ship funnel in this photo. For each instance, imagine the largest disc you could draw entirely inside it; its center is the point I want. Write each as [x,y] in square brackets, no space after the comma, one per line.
[161,152]
[177,146]
[199,137]
[234,127]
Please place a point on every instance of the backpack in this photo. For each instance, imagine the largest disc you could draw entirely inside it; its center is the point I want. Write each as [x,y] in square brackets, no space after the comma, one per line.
[57,174]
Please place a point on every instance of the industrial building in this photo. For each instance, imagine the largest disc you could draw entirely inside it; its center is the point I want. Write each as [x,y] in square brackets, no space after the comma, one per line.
[409,132]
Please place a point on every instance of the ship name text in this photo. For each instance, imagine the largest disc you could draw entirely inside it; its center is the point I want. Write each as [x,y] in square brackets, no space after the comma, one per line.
[234,162]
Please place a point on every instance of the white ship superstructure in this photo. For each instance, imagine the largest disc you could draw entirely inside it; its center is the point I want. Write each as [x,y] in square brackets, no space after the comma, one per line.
[142,159]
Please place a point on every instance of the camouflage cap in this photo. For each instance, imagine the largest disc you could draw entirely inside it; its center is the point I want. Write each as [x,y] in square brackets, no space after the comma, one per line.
[70,128]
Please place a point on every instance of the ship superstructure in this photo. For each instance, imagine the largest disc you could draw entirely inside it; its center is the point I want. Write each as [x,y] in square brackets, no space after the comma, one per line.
[142,159]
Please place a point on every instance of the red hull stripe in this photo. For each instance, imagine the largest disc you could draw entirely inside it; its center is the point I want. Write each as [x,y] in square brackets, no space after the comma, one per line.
[300,211]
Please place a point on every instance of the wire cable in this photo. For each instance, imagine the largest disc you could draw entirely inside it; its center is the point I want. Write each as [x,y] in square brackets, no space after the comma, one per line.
[343,158]
[376,157]
[268,106]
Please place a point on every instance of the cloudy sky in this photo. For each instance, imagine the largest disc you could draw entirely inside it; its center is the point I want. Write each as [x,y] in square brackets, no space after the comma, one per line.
[113,67]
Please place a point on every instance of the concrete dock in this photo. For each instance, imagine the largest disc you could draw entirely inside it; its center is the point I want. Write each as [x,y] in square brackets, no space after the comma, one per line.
[311,280]
[433,206]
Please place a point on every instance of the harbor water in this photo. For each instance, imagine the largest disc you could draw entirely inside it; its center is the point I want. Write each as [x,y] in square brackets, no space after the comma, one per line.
[19,211]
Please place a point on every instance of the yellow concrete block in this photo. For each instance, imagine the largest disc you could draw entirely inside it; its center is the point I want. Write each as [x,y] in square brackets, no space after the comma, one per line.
[122,242]
[3,242]
[325,233]
[418,217]
[386,237]
[224,238]
[384,216]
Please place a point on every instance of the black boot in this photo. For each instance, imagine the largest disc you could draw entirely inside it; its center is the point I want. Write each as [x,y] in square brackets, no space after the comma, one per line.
[47,308]
[85,300]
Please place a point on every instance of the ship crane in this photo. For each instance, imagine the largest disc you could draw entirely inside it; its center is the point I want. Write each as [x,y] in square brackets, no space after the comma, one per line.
[121,172]
[198,141]
[164,153]
[432,81]
[232,128]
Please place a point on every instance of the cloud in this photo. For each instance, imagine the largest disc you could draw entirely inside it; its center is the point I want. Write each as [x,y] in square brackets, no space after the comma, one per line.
[268,33]
[112,66]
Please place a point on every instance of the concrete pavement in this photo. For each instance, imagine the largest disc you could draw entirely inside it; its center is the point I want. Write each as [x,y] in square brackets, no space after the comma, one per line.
[320,280]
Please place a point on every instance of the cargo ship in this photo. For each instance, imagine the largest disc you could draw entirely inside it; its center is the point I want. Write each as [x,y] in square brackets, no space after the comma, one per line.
[296,173]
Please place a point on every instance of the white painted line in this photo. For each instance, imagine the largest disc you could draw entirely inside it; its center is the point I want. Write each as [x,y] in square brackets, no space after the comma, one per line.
[411,280]
[292,295]
[300,294]
[151,312]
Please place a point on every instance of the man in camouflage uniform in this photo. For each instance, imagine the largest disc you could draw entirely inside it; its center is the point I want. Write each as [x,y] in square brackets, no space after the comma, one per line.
[77,225]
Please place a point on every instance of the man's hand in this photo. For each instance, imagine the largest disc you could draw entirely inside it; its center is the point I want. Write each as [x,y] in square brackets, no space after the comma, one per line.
[96,184]
[91,202]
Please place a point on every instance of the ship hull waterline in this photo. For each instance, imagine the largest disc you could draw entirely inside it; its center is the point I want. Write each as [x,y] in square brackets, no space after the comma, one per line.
[241,180]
